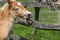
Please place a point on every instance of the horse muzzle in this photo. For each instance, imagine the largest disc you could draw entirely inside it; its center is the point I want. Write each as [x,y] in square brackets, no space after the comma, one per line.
[29,17]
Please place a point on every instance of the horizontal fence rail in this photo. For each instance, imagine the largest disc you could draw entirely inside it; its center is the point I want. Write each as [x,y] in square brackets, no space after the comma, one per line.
[46,26]
[36,4]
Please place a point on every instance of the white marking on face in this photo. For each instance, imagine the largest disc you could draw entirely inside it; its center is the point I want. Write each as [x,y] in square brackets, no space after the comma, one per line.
[19,3]
[28,12]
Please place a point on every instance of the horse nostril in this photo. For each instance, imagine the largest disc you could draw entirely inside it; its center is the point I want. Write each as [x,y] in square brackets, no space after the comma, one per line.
[29,15]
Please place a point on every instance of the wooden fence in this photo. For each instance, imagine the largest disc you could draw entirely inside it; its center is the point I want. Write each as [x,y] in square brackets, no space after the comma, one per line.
[37,5]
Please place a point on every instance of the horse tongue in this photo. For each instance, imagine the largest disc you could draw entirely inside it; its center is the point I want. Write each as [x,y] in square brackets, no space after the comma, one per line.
[29,21]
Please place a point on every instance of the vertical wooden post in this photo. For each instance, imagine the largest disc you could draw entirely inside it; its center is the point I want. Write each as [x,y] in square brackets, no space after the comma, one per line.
[37,13]
[36,16]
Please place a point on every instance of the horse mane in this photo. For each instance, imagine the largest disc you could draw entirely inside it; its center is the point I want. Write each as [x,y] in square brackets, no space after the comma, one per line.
[3,10]
[3,6]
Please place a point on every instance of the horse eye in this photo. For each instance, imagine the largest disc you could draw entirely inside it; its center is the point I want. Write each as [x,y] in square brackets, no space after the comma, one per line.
[16,8]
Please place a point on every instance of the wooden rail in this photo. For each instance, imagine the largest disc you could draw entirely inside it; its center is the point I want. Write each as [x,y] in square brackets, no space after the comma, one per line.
[36,4]
[45,26]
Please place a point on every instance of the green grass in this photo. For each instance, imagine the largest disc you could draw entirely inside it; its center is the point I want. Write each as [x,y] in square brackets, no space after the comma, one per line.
[26,32]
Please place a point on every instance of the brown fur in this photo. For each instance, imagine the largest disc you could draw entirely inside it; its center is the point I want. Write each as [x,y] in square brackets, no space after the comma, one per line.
[7,16]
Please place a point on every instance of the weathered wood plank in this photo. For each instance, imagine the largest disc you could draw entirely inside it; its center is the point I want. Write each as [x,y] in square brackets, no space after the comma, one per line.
[13,37]
[31,4]
[46,26]
[36,4]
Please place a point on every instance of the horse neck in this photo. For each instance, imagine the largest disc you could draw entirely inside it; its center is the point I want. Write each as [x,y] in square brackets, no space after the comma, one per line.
[5,14]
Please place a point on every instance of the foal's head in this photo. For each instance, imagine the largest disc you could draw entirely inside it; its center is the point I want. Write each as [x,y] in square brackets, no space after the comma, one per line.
[18,9]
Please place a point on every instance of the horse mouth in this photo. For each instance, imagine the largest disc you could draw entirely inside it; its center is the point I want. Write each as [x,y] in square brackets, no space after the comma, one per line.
[29,21]
[24,20]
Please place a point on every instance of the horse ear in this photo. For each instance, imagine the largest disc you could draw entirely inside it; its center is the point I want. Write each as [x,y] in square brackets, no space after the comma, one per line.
[9,1]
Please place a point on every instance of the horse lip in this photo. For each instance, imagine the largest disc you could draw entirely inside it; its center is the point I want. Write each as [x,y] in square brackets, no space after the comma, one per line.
[28,19]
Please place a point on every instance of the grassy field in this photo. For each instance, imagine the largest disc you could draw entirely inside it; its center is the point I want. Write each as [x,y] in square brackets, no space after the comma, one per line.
[26,31]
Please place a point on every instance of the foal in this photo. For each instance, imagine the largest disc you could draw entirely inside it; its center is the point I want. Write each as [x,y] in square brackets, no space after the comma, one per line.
[8,13]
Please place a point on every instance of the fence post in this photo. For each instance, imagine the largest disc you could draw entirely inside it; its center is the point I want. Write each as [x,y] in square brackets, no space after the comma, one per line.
[37,11]
[36,16]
